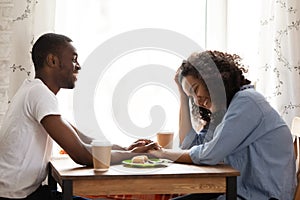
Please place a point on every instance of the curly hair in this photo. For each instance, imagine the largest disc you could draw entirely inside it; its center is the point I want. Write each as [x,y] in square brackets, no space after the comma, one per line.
[209,66]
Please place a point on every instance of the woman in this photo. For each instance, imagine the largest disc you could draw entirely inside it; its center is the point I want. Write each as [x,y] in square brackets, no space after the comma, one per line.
[244,130]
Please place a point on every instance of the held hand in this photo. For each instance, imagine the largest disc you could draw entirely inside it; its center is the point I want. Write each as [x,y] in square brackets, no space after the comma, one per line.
[146,148]
[139,143]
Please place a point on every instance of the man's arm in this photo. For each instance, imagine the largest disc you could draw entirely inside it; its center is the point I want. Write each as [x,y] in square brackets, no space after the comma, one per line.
[66,136]
[87,140]
[84,138]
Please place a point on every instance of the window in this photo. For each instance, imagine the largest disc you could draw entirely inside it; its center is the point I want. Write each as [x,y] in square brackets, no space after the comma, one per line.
[216,25]
[90,23]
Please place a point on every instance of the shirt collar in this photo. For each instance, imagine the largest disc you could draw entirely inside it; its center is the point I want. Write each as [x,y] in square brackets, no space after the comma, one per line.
[244,87]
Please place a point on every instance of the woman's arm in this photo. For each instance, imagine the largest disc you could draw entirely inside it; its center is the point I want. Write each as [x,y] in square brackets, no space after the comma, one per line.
[185,124]
[176,156]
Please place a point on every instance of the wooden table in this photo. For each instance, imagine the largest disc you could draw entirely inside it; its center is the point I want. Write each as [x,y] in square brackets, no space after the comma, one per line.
[177,178]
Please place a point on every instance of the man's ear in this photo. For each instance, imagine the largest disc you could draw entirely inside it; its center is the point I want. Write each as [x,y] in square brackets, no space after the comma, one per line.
[52,60]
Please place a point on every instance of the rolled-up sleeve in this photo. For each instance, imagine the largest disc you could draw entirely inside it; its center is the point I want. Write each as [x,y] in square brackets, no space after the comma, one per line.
[189,140]
[241,118]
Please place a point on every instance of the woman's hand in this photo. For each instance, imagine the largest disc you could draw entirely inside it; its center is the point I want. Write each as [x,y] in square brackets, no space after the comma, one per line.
[176,78]
[183,97]
[182,156]
[157,153]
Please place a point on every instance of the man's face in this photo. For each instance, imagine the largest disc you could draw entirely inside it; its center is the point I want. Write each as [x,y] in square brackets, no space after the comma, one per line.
[68,66]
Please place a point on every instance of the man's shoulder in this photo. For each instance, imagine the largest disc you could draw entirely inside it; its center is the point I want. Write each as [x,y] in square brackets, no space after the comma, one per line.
[36,86]
[34,91]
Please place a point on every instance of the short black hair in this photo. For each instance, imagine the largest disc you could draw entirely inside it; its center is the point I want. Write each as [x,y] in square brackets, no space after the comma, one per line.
[45,44]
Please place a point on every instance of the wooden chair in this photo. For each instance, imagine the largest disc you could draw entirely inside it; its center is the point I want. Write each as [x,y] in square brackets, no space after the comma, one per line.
[295,129]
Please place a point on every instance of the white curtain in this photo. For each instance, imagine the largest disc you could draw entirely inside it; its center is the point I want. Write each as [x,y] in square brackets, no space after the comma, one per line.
[5,52]
[21,22]
[279,56]
[268,42]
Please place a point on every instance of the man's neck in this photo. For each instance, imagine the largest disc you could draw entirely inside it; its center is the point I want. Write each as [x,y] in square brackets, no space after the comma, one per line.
[48,83]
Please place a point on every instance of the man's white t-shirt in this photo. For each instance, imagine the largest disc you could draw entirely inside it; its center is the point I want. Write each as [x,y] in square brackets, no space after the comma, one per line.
[25,146]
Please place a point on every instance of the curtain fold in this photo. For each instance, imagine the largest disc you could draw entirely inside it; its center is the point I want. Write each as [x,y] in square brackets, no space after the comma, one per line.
[21,22]
[6,8]
[279,56]
[269,44]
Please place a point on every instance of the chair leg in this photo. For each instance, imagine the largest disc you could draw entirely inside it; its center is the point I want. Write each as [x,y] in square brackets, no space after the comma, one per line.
[297,193]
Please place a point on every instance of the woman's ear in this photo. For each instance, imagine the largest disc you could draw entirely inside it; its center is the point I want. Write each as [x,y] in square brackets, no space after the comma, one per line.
[52,60]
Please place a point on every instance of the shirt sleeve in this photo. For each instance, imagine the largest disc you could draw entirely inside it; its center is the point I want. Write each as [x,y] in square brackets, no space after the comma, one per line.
[42,102]
[241,118]
[193,138]
[189,140]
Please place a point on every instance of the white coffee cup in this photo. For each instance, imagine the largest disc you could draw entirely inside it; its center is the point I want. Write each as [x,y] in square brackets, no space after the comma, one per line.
[101,151]
[165,139]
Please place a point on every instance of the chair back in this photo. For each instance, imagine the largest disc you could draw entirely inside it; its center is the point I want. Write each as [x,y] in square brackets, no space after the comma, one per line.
[295,129]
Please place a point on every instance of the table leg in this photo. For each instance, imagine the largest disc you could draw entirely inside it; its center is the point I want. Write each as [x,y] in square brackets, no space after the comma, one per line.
[51,181]
[67,190]
[231,188]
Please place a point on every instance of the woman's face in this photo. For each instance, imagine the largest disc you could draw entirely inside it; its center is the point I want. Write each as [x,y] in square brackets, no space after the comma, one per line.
[194,88]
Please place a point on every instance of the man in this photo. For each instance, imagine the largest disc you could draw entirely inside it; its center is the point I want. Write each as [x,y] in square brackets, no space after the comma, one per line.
[33,120]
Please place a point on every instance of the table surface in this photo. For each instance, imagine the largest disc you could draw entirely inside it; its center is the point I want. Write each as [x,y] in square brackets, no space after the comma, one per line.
[175,178]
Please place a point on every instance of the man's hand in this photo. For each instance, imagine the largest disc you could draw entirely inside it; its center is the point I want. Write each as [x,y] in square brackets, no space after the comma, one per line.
[139,147]
[139,143]
[145,148]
